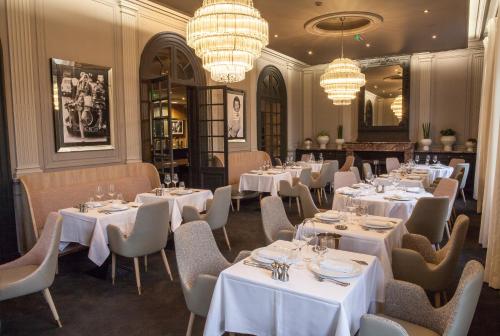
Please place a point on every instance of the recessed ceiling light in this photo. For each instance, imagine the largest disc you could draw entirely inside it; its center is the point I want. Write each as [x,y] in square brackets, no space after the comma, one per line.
[434,37]
[310,52]
[368,45]
[375,87]
[426,11]
[275,35]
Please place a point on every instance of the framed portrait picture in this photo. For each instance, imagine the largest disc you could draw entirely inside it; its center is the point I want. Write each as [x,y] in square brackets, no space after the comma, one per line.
[81,106]
[236,116]
[177,127]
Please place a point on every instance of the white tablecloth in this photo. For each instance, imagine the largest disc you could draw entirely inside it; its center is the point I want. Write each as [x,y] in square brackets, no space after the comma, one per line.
[266,182]
[404,182]
[435,171]
[198,199]
[355,239]
[315,166]
[247,300]
[378,205]
[89,229]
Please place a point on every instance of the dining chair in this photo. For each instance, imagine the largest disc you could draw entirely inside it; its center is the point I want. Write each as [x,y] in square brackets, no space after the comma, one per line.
[344,179]
[367,170]
[417,262]
[35,271]
[429,218]
[335,168]
[274,220]
[305,157]
[447,187]
[391,163]
[149,235]
[199,262]
[454,161]
[217,213]
[277,161]
[319,184]
[408,312]
[309,209]
[462,179]
[291,190]
[349,161]
[355,170]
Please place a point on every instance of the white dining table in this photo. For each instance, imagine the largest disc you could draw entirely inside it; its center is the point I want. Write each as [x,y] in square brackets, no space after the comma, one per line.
[315,166]
[89,229]
[198,199]
[434,171]
[356,238]
[247,300]
[380,204]
[263,181]
[409,182]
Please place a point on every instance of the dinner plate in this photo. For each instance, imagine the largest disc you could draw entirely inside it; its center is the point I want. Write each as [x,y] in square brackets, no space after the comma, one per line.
[327,217]
[409,177]
[182,192]
[378,225]
[255,255]
[116,207]
[395,198]
[315,268]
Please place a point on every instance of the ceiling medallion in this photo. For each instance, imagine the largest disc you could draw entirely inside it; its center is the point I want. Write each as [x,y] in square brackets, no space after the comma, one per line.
[228,36]
[397,107]
[348,23]
[342,79]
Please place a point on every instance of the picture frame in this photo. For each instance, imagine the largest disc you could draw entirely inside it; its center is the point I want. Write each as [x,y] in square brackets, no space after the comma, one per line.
[236,116]
[82,107]
[177,127]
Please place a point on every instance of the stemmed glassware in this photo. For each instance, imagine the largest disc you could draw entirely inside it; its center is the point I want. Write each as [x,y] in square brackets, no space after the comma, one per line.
[111,191]
[434,159]
[175,180]
[369,178]
[308,233]
[417,159]
[182,186]
[167,180]
[99,194]
[427,159]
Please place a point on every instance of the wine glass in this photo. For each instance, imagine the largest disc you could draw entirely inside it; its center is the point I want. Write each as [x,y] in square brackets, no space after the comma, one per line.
[175,180]
[434,159]
[321,246]
[308,233]
[417,158]
[369,178]
[427,159]
[182,185]
[119,197]
[350,205]
[99,194]
[111,191]
[167,180]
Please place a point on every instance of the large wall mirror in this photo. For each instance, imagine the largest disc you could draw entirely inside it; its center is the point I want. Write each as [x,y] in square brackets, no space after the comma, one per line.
[383,102]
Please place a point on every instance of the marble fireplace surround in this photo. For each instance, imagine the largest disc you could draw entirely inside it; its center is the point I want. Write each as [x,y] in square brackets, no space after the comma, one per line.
[407,148]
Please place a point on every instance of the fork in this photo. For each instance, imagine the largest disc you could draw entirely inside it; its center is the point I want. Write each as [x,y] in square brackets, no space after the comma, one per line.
[335,281]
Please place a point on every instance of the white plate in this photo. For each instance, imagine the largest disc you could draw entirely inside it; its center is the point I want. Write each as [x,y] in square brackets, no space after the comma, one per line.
[402,199]
[378,225]
[255,255]
[327,217]
[116,207]
[182,192]
[357,270]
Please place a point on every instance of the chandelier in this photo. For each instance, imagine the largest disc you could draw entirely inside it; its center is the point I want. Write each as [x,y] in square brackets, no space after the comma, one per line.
[228,35]
[397,107]
[343,78]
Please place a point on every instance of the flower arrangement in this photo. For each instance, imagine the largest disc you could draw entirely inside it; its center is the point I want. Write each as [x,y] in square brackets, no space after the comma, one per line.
[323,133]
[448,132]
[426,129]
[340,132]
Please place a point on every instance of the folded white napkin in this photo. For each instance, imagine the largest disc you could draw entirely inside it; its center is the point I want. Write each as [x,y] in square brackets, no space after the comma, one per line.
[93,205]
[336,265]
[117,206]
[413,189]
[347,191]
[270,253]
[377,222]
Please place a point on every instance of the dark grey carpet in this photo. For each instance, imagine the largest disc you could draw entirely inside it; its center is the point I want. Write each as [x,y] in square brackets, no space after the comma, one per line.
[89,305]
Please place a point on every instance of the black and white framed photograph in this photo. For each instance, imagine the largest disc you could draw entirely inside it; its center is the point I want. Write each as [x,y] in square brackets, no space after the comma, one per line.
[177,127]
[236,116]
[81,103]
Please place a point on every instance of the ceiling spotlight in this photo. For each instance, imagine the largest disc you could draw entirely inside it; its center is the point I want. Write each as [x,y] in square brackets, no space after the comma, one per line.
[426,11]
[434,37]
[275,35]
[375,86]
[368,45]
[310,52]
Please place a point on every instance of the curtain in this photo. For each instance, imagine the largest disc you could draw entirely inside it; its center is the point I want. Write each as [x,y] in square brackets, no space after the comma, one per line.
[488,159]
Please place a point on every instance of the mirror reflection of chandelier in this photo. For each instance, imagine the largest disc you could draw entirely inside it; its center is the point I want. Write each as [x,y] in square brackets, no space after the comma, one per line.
[228,36]
[343,78]
[397,107]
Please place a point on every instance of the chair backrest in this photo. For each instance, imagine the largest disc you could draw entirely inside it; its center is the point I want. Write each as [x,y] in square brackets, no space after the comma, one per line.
[335,168]
[464,301]
[305,157]
[325,173]
[309,209]
[355,170]
[306,176]
[429,217]
[464,168]
[219,210]
[277,161]
[447,187]
[349,161]
[448,256]
[46,249]
[391,163]
[367,170]
[150,231]
[274,218]
[455,161]
[344,179]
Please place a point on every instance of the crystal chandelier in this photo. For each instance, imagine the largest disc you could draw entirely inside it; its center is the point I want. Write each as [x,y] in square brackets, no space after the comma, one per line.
[342,79]
[397,107]
[228,35]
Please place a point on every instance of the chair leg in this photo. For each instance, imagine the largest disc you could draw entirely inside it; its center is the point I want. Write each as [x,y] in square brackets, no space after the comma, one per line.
[238,205]
[324,193]
[190,325]
[137,274]
[113,267]
[298,206]
[437,299]
[463,196]
[48,298]
[318,196]
[227,238]
[289,202]
[146,263]
[165,262]
[232,206]
[447,228]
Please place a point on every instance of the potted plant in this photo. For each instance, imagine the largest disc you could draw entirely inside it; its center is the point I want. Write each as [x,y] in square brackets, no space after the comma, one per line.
[470,144]
[323,139]
[307,143]
[448,138]
[426,141]
[340,137]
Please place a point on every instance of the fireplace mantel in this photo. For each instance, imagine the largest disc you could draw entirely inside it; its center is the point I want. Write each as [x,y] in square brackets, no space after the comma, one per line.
[405,147]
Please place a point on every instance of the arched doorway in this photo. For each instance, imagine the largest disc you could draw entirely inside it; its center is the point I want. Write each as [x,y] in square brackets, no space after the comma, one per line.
[272,112]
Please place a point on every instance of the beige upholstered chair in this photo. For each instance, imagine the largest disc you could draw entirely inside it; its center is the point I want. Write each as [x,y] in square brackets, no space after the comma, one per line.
[447,187]
[408,312]
[291,191]
[429,218]
[309,209]
[391,163]
[277,161]
[199,262]
[34,271]
[355,170]
[217,211]
[319,184]
[462,178]
[149,235]
[305,157]
[344,179]
[335,168]
[453,162]
[305,177]
[349,162]
[417,262]
[274,220]
[367,170]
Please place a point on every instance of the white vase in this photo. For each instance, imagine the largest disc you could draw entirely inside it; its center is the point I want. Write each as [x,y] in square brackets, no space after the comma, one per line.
[339,143]
[426,143]
[469,145]
[323,140]
[307,144]
[448,141]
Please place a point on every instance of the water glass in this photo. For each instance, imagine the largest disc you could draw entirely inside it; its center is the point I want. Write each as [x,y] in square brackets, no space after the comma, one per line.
[417,158]
[111,191]
[434,159]
[182,185]
[175,180]
[99,194]
[119,197]
[167,180]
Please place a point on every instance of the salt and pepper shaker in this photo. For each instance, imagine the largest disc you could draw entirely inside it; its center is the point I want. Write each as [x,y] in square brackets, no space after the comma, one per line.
[284,276]
[275,269]
[82,207]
